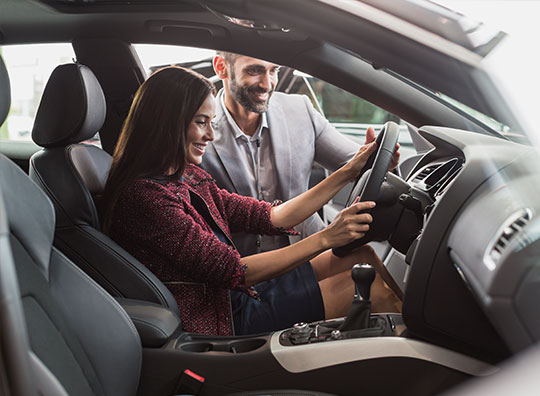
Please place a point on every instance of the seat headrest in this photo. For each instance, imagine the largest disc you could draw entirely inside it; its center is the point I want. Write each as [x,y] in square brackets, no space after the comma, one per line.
[5,92]
[72,107]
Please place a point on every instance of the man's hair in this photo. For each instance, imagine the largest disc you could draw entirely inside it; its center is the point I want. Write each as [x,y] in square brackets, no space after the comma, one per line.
[229,57]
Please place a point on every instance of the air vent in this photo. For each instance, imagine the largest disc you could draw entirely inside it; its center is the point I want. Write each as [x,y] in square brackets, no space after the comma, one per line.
[425,173]
[432,177]
[509,230]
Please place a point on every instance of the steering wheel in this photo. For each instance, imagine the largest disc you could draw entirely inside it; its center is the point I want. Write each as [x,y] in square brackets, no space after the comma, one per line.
[371,177]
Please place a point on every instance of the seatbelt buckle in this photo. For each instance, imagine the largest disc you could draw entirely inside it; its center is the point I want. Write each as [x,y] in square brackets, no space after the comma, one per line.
[189,383]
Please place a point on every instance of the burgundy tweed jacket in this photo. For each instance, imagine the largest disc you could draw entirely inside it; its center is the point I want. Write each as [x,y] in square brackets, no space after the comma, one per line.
[156,222]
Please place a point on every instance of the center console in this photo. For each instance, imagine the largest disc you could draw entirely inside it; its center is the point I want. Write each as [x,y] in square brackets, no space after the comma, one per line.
[379,325]
[327,356]
[357,324]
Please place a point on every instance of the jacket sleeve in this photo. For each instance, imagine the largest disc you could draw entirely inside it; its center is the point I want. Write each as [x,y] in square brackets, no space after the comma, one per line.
[156,220]
[332,148]
[247,214]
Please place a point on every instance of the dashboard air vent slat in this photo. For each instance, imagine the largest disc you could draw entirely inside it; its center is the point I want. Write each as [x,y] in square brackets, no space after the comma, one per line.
[425,173]
[510,229]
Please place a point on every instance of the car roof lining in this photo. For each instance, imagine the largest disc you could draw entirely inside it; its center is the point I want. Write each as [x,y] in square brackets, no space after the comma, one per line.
[159,24]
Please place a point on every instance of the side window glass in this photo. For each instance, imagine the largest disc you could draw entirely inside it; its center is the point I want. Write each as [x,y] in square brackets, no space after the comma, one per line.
[153,57]
[349,113]
[29,68]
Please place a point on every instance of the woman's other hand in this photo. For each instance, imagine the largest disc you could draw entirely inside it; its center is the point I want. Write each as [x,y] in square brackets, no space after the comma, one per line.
[370,137]
[349,225]
[355,165]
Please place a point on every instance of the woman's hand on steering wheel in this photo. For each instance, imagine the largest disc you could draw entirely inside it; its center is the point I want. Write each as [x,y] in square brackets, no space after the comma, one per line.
[368,185]
[349,225]
[370,138]
[357,163]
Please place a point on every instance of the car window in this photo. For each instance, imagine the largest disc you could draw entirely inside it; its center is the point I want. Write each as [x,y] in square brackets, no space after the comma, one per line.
[154,57]
[348,113]
[29,68]
[486,120]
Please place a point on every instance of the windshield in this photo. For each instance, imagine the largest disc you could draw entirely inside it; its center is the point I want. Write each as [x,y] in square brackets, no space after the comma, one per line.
[514,62]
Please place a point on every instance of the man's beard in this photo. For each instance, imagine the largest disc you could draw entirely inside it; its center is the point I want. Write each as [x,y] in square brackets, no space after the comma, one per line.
[242,95]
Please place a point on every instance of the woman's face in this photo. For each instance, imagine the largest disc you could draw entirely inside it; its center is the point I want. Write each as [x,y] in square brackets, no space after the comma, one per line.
[200,131]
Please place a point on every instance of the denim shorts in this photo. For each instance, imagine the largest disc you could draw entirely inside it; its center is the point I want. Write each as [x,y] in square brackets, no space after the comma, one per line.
[290,298]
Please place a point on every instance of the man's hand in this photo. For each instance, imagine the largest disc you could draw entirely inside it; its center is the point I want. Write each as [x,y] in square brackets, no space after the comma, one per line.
[370,137]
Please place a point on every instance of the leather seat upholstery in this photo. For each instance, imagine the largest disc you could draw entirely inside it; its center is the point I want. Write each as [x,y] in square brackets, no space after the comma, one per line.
[75,328]
[60,332]
[73,174]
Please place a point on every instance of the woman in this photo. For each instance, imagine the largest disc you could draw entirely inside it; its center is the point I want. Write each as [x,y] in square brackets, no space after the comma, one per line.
[170,214]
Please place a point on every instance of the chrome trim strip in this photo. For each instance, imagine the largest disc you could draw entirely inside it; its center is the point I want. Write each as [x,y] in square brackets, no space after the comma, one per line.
[302,358]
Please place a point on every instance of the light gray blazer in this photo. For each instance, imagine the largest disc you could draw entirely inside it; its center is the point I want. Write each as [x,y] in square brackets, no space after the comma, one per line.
[299,136]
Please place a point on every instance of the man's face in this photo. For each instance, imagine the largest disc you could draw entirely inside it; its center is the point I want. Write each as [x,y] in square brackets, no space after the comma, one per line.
[252,82]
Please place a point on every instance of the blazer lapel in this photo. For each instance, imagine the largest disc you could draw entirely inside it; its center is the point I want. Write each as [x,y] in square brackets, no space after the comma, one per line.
[280,139]
[228,153]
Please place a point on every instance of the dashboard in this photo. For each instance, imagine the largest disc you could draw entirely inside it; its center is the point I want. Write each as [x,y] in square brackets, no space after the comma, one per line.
[473,281]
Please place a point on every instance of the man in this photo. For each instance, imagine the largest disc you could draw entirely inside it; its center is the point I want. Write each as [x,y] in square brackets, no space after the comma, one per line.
[265,144]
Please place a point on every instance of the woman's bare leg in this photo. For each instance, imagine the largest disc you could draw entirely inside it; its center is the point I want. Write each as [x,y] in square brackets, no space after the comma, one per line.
[338,291]
[337,287]
[383,298]
[326,265]
[337,294]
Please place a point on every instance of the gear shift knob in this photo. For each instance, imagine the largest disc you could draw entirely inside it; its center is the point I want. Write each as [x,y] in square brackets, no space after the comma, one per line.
[363,276]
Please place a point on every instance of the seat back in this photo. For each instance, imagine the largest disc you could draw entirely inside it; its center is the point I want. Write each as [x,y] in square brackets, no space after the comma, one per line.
[13,337]
[60,332]
[73,175]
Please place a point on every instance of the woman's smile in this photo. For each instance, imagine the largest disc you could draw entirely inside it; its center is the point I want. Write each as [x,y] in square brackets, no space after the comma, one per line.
[200,147]
[200,131]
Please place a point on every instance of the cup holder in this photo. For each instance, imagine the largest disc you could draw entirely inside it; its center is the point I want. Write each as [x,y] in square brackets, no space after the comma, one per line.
[241,346]
[197,347]
[235,346]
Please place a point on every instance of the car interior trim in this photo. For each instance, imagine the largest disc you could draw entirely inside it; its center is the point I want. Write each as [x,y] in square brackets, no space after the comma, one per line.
[409,30]
[301,358]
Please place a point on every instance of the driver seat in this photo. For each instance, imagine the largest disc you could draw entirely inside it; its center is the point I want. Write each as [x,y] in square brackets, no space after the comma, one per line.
[73,174]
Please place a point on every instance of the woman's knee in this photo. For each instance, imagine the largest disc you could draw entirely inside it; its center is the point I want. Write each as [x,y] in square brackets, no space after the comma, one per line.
[366,251]
[337,294]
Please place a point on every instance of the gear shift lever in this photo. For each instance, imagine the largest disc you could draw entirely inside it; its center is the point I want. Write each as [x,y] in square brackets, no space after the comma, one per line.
[358,316]
[363,276]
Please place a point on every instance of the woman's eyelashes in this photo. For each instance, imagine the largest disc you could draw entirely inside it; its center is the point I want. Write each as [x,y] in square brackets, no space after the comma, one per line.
[205,122]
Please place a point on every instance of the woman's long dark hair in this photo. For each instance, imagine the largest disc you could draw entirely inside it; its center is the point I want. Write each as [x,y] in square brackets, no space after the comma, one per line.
[152,142]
